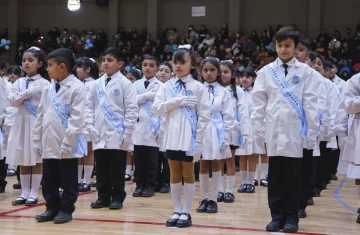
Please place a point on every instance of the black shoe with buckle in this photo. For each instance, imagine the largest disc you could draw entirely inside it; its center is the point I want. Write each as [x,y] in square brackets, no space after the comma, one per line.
[220,197]
[31,201]
[263,182]
[184,223]
[212,207]
[229,198]
[19,201]
[202,207]
[173,221]
[84,187]
[242,188]
[250,188]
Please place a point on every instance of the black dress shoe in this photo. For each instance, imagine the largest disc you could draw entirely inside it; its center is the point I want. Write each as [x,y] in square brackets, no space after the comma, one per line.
[127,177]
[202,206]
[212,207]
[263,182]
[184,223]
[220,197]
[358,218]
[256,182]
[323,186]
[148,192]
[99,204]
[334,177]
[138,191]
[48,215]
[115,205]
[242,188]
[302,213]
[2,189]
[310,201]
[316,192]
[17,185]
[250,188]
[290,227]
[19,201]
[93,184]
[62,218]
[84,187]
[165,188]
[31,201]
[229,198]
[274,226]
[172,221]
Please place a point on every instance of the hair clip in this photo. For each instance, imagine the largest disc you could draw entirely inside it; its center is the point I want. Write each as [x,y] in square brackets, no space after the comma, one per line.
[34,48]
[92,60]
[229,61]
[186,46]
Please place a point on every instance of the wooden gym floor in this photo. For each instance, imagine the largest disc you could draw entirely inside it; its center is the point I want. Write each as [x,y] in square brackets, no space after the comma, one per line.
[333,213]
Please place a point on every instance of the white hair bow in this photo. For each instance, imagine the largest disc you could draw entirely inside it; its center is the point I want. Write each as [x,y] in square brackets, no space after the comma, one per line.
[92,60]
[35,48]
[229,61]
[186,46]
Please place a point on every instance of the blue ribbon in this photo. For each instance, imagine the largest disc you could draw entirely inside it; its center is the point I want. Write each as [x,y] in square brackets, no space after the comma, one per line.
[115,121]
[155,120]
[189,113]
[80,148]
[291,97]
[32,109]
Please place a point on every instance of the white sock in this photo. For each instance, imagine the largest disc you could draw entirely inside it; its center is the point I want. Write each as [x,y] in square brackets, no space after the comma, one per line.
[264,170]
[221,184]
[25,186]
[189,192]
[216,176]
[35,185]
[243,175]
[87,174]
[176,192]
[80,169]
[128,170]
[204,185]
[230,181]
[257,171]
[251,178]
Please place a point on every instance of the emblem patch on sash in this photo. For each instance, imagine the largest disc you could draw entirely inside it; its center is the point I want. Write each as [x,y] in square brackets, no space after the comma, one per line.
[296,80]
[189,92]
[68,108]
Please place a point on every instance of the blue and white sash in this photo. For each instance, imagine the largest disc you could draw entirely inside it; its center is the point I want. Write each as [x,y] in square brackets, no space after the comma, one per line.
[189,113]
[80,148]
[32,109]
[110,115]
[290,96]
[236,115]
[155,120]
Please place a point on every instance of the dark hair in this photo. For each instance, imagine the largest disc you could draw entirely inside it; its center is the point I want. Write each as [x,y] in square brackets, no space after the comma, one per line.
[319,56]
[3,65]
[305,42]
[114,52]
[149,57]
[327,64]
[167,64]
[64,56]
[248,72]
[39,54]
[312,56]
[179,56]
[214,61]
[85,63]
[286,33]
[14,69]
[232,81]
[136,73]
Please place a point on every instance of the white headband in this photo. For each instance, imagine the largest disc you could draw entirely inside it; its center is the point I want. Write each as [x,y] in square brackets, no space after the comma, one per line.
[186,46]
[92,60]
[229,61]
[34,48]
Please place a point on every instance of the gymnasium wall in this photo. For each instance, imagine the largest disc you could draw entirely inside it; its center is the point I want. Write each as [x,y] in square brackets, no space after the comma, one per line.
[254,14]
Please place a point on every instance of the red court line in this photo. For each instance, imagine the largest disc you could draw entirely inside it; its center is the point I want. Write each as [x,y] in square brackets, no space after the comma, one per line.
[5,213]
[163,224]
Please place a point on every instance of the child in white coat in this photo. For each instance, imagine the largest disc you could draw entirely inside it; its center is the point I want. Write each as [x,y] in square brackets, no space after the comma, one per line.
[110,118]
[216,145]
[87,71]
[58,137]
[25,95]
[184,102]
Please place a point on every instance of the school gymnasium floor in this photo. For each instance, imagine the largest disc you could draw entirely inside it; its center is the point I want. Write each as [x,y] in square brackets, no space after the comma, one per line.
[333,213]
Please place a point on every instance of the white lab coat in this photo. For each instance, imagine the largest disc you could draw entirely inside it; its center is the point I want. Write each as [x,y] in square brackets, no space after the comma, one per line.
[5,88]
[352,107]
[21,132]
[10,117]
[49,128]
[121,96]
[250,146]
[177,129]
[142,134]
[222,104]
[240,107]
[339,83]
[87,83]
[283,125]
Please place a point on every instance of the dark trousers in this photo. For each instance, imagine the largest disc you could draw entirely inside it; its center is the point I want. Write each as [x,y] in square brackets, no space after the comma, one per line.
[307,178]
[3,172]
[146,165]
[163,172]
[334,161]
[322,167]
[56,173]
[110,171]
[284,179]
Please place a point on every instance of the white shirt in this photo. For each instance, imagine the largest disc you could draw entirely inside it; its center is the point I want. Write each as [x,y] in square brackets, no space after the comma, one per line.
[5,88]
[49,128]
[121,96]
